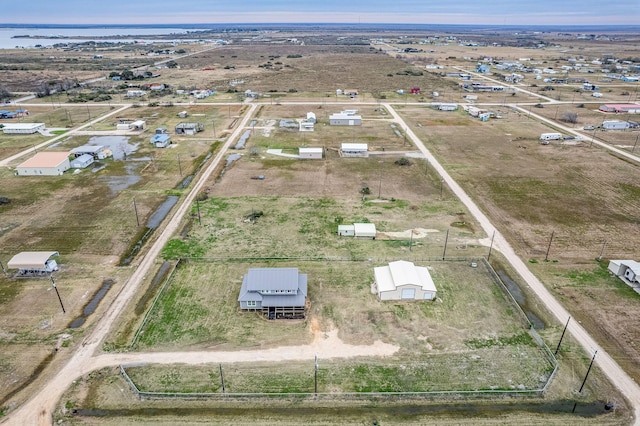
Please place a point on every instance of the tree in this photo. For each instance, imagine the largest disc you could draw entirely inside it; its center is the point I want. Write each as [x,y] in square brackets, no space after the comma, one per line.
[570,117]
[4,93]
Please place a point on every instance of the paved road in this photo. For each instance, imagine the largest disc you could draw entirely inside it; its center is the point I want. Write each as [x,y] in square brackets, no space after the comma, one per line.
[609,366]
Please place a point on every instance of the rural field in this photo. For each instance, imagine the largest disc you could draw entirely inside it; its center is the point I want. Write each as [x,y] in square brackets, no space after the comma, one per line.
[561,206]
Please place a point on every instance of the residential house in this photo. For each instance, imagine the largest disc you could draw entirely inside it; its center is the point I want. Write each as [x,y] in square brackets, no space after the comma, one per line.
[276,292]
[45,163]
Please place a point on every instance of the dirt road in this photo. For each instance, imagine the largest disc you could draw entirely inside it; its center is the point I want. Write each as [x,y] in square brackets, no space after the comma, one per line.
[39,408]
[614,372]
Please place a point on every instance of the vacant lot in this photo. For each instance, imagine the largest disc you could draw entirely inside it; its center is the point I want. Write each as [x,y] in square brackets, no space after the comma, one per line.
[584,195]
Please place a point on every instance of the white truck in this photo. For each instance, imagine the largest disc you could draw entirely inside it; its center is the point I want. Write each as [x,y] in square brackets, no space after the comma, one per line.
[546,137]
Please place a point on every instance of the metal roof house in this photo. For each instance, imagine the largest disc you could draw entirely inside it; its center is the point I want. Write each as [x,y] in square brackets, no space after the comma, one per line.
[277,292]
[34,262]
[85,160]
[98,152]
[402,280]
[45,163]
[354,150]
[161,140]
[189,128]
[22,128]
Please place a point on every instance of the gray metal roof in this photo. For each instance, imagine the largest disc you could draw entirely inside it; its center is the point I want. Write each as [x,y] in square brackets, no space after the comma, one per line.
[260,279]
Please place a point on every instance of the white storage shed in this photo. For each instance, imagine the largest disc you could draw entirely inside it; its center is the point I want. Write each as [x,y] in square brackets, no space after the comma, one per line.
[364,230]
[354,150]
[310,153]
[402,280]
[346,231]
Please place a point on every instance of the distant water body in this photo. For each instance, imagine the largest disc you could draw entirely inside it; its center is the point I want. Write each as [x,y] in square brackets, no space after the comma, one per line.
[50,36]
[51,33]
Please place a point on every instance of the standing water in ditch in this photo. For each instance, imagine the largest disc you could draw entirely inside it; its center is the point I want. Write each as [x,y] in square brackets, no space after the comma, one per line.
[92,305]
[520,299]
[154,221]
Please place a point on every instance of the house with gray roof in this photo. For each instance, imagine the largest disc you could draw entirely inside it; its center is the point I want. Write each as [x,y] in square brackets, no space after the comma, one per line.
[277,292]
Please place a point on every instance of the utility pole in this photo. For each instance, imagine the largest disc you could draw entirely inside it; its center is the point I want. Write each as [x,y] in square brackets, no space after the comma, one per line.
[135,209]
[179,165]
[546,257]
[53,283]
[4,271]
[315,377]
[636,143]
[441,185]
[222,379]
[213,122]
[198,208]
[446,239]
[380,183]
[491,245]
[411,240]
[562,336]
[588,371]
[602,251]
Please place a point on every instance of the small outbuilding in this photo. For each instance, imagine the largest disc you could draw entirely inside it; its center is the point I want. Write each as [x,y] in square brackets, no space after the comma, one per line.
[354,150]
[34,262]
[402,280]
[358,230]
[627,270]
[189,128]
[81,162]
[310,153]
[161,140]
[45,163]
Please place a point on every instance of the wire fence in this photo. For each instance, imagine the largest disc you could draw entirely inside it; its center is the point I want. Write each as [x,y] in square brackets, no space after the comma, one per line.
[381,378]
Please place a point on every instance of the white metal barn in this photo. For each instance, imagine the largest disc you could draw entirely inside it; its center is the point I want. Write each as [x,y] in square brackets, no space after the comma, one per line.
[45,163]
[22,128]
[354,150]
[402,280]
[310,153]
[615,125]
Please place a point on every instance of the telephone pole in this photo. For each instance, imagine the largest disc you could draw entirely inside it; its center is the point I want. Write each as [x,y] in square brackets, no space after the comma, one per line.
[53,283]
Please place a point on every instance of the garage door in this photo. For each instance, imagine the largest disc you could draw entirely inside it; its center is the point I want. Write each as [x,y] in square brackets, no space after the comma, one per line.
[408,293]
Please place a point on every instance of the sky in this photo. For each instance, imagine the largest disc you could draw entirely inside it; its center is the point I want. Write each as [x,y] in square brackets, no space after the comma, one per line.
[487,12]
